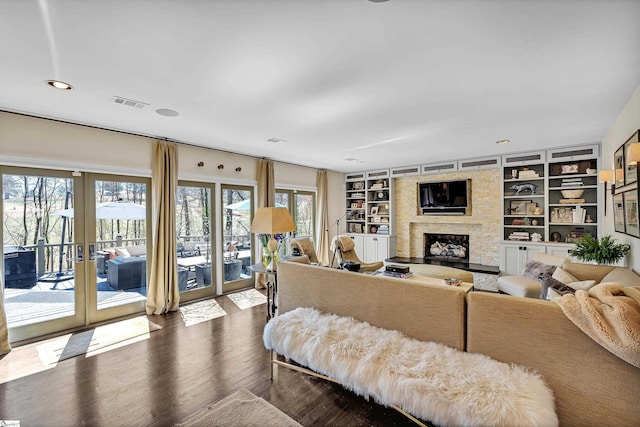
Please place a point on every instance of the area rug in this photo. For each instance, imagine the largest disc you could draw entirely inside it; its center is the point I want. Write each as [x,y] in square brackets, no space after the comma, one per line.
[96,340]
[248,298]
[242,408]
[199,312]
[426,379]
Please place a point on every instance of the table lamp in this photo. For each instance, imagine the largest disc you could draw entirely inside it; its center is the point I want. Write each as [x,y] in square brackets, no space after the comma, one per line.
[272,221]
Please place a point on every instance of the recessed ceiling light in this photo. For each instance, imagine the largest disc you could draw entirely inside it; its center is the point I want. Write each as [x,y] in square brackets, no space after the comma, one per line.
[353,159]
[276,140]
[59,85]
[167,112]
[502,141]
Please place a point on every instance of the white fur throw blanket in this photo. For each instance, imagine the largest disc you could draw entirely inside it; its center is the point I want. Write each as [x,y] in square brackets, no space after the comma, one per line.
[609,313]
[428,380]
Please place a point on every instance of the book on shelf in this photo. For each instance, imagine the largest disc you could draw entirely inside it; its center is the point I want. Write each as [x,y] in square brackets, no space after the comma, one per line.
[571,179]
[571,184]
[397,275]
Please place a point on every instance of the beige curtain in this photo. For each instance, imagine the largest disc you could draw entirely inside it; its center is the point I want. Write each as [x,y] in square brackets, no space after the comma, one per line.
[266,199]
[323,220]
[163,294]
[5,347]
[266,184]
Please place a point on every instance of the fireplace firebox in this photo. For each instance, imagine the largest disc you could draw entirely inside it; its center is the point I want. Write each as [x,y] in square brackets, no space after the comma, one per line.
[446,247]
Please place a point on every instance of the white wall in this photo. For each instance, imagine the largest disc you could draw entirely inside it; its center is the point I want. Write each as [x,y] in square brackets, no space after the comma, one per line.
[622,128]
[34,142]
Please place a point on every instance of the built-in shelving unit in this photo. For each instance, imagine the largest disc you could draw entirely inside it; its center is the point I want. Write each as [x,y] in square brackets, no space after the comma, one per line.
[552,193]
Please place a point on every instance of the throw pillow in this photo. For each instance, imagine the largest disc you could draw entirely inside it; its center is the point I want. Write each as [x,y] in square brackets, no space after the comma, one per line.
[552,287]
[533,269]
[562,276]
[584,285]
[123,252]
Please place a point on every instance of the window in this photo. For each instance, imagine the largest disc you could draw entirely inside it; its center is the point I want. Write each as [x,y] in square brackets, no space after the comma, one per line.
[302,207]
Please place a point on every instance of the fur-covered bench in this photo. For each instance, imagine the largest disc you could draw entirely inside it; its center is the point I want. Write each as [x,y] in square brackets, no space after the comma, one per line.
[425,379]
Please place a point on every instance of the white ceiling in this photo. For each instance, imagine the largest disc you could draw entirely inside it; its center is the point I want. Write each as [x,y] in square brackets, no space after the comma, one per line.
[390,84]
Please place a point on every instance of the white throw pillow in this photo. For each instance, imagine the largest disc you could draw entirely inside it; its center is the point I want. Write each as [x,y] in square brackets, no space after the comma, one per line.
[583,285]
[137,250]
[551,293]
[562,276]
[123,252]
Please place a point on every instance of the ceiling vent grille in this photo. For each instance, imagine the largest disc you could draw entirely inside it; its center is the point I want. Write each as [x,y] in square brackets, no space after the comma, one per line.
[128,102]
[439,167]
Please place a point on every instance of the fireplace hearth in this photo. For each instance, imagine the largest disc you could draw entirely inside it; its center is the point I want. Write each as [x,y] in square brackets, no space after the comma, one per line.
[446,247]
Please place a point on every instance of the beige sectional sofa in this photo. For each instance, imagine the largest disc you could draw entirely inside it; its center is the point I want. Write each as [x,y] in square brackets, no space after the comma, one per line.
[591,385]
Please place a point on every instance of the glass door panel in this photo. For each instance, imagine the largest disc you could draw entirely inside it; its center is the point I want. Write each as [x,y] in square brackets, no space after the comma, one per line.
[193,231]
[43,289]
[237,213]
[119,210]
[304,213]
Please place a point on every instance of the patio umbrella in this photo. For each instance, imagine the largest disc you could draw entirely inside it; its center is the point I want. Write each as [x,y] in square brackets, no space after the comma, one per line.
[112,210]
[108,210]
[244,205]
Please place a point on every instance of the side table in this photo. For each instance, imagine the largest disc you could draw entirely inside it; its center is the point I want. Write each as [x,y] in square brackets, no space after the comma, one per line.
[272,287]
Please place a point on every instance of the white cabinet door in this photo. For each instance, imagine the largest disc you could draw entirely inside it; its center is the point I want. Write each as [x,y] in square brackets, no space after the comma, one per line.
[514,256]
[358,241]
[376,249]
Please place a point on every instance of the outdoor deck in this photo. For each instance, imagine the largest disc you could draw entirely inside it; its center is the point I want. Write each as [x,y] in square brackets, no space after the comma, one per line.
[49,300]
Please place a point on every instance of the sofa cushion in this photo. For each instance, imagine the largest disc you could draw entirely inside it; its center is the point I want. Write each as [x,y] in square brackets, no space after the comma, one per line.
[587,271]
[623,276]
[129,251]
[137,250]
[520,286]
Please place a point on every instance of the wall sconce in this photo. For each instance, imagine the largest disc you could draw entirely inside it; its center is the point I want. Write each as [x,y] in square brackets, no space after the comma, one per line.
[606,176]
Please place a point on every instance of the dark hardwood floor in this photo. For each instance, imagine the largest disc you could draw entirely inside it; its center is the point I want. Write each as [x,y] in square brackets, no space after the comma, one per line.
[176,372]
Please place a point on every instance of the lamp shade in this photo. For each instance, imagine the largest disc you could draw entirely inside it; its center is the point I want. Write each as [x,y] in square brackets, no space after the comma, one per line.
[606,176]
[272,221]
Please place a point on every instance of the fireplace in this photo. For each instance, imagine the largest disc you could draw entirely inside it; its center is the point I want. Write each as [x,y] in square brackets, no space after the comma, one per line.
[446,247]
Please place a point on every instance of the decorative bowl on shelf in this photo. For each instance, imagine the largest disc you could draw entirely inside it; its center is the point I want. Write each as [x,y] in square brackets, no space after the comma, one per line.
[572,194]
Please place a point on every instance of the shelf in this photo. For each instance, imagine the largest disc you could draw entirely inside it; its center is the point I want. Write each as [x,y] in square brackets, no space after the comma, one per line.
[540,178]
[577,187]
[571,204]
[523,226]
[525,215]
[586,224]
[527,196]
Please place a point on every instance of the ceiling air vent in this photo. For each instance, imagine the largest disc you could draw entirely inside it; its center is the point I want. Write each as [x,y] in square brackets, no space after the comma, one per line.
[475,164]
[405,171]
[128,102]
[559,154]
[384,173]
[439,167]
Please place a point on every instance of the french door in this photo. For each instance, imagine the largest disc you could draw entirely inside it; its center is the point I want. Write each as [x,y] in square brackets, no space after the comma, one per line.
[236,211]
[196,240]
[68,240]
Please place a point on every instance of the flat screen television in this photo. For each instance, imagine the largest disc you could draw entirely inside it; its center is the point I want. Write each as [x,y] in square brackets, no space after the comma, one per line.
[445,197]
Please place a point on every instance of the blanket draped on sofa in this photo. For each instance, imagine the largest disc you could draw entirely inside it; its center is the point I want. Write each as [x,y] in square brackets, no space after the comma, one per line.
[426,379]
[608,313]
